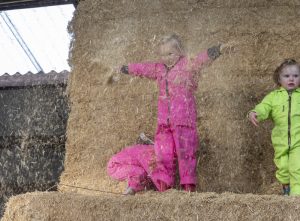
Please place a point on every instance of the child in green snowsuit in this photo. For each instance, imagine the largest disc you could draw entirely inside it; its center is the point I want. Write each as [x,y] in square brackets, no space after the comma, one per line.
[282,106]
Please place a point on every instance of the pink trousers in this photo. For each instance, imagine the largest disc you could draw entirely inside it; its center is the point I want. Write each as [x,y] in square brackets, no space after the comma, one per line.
[142,165]
[133,164]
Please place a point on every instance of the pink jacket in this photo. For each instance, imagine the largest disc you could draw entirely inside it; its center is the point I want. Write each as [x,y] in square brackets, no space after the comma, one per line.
[176,101]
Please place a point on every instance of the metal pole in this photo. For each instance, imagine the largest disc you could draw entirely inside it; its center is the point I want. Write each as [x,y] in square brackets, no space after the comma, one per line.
[21,42]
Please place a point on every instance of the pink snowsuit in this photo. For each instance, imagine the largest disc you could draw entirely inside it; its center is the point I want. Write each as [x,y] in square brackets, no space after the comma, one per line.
[133,164]
[176,134]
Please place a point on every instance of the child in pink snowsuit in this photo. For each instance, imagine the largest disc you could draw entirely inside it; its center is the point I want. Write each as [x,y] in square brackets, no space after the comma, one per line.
[176,134]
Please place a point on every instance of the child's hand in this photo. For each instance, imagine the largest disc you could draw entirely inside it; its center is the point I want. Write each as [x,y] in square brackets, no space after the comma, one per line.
[214,52]
[253,118]
[124,69]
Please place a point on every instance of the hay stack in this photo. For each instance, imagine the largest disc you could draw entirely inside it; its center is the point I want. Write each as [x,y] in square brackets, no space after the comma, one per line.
[172,205]
[109,110]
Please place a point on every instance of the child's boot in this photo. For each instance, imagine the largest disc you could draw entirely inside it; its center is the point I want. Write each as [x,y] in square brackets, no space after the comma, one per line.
[189,187]
[144,139]
[286,189]
[162,186]
[129,191]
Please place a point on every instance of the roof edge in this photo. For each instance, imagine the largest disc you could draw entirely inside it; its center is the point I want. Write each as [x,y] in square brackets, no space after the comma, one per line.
[30,79]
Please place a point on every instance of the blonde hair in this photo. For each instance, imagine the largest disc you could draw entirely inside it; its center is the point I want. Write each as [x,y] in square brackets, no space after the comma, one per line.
[175,40]
[286,62]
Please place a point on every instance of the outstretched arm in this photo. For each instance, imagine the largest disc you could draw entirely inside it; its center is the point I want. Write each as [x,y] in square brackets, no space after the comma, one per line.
[206,57]
[148,70]
[211,54]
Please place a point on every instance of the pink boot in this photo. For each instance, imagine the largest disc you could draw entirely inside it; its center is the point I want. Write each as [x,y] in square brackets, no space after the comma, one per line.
[162,186]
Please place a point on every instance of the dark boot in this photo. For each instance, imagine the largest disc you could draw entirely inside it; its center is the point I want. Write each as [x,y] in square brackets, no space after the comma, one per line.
[286,189]
[189,187]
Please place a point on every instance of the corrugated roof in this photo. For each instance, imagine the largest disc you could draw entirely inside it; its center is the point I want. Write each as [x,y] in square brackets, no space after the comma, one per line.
[30,79]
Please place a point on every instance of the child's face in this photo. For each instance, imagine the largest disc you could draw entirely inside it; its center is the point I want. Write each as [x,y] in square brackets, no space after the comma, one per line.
[289,78]
[169,54]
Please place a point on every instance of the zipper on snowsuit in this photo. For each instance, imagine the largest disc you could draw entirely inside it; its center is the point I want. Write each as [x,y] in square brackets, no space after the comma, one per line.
[289,121]
[167,89]
[168,96]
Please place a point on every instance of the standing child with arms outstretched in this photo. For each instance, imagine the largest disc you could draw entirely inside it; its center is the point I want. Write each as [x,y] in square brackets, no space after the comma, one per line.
[176,134]
[282,106]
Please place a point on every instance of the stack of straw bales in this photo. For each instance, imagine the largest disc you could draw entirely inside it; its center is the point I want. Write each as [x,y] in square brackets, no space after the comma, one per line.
[108,110]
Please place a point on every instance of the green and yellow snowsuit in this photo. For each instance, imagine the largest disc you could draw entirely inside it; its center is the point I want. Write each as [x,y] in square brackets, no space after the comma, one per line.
[283,108]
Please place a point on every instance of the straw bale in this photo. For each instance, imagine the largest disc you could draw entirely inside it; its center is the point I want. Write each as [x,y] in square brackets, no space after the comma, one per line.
[33,122]
[110,110]
[172,205]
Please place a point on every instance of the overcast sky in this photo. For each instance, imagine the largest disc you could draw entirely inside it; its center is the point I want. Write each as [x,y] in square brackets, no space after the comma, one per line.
[44,30]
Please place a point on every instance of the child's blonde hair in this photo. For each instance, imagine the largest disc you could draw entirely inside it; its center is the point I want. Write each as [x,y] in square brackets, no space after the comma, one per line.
[277,72]
[175,40]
